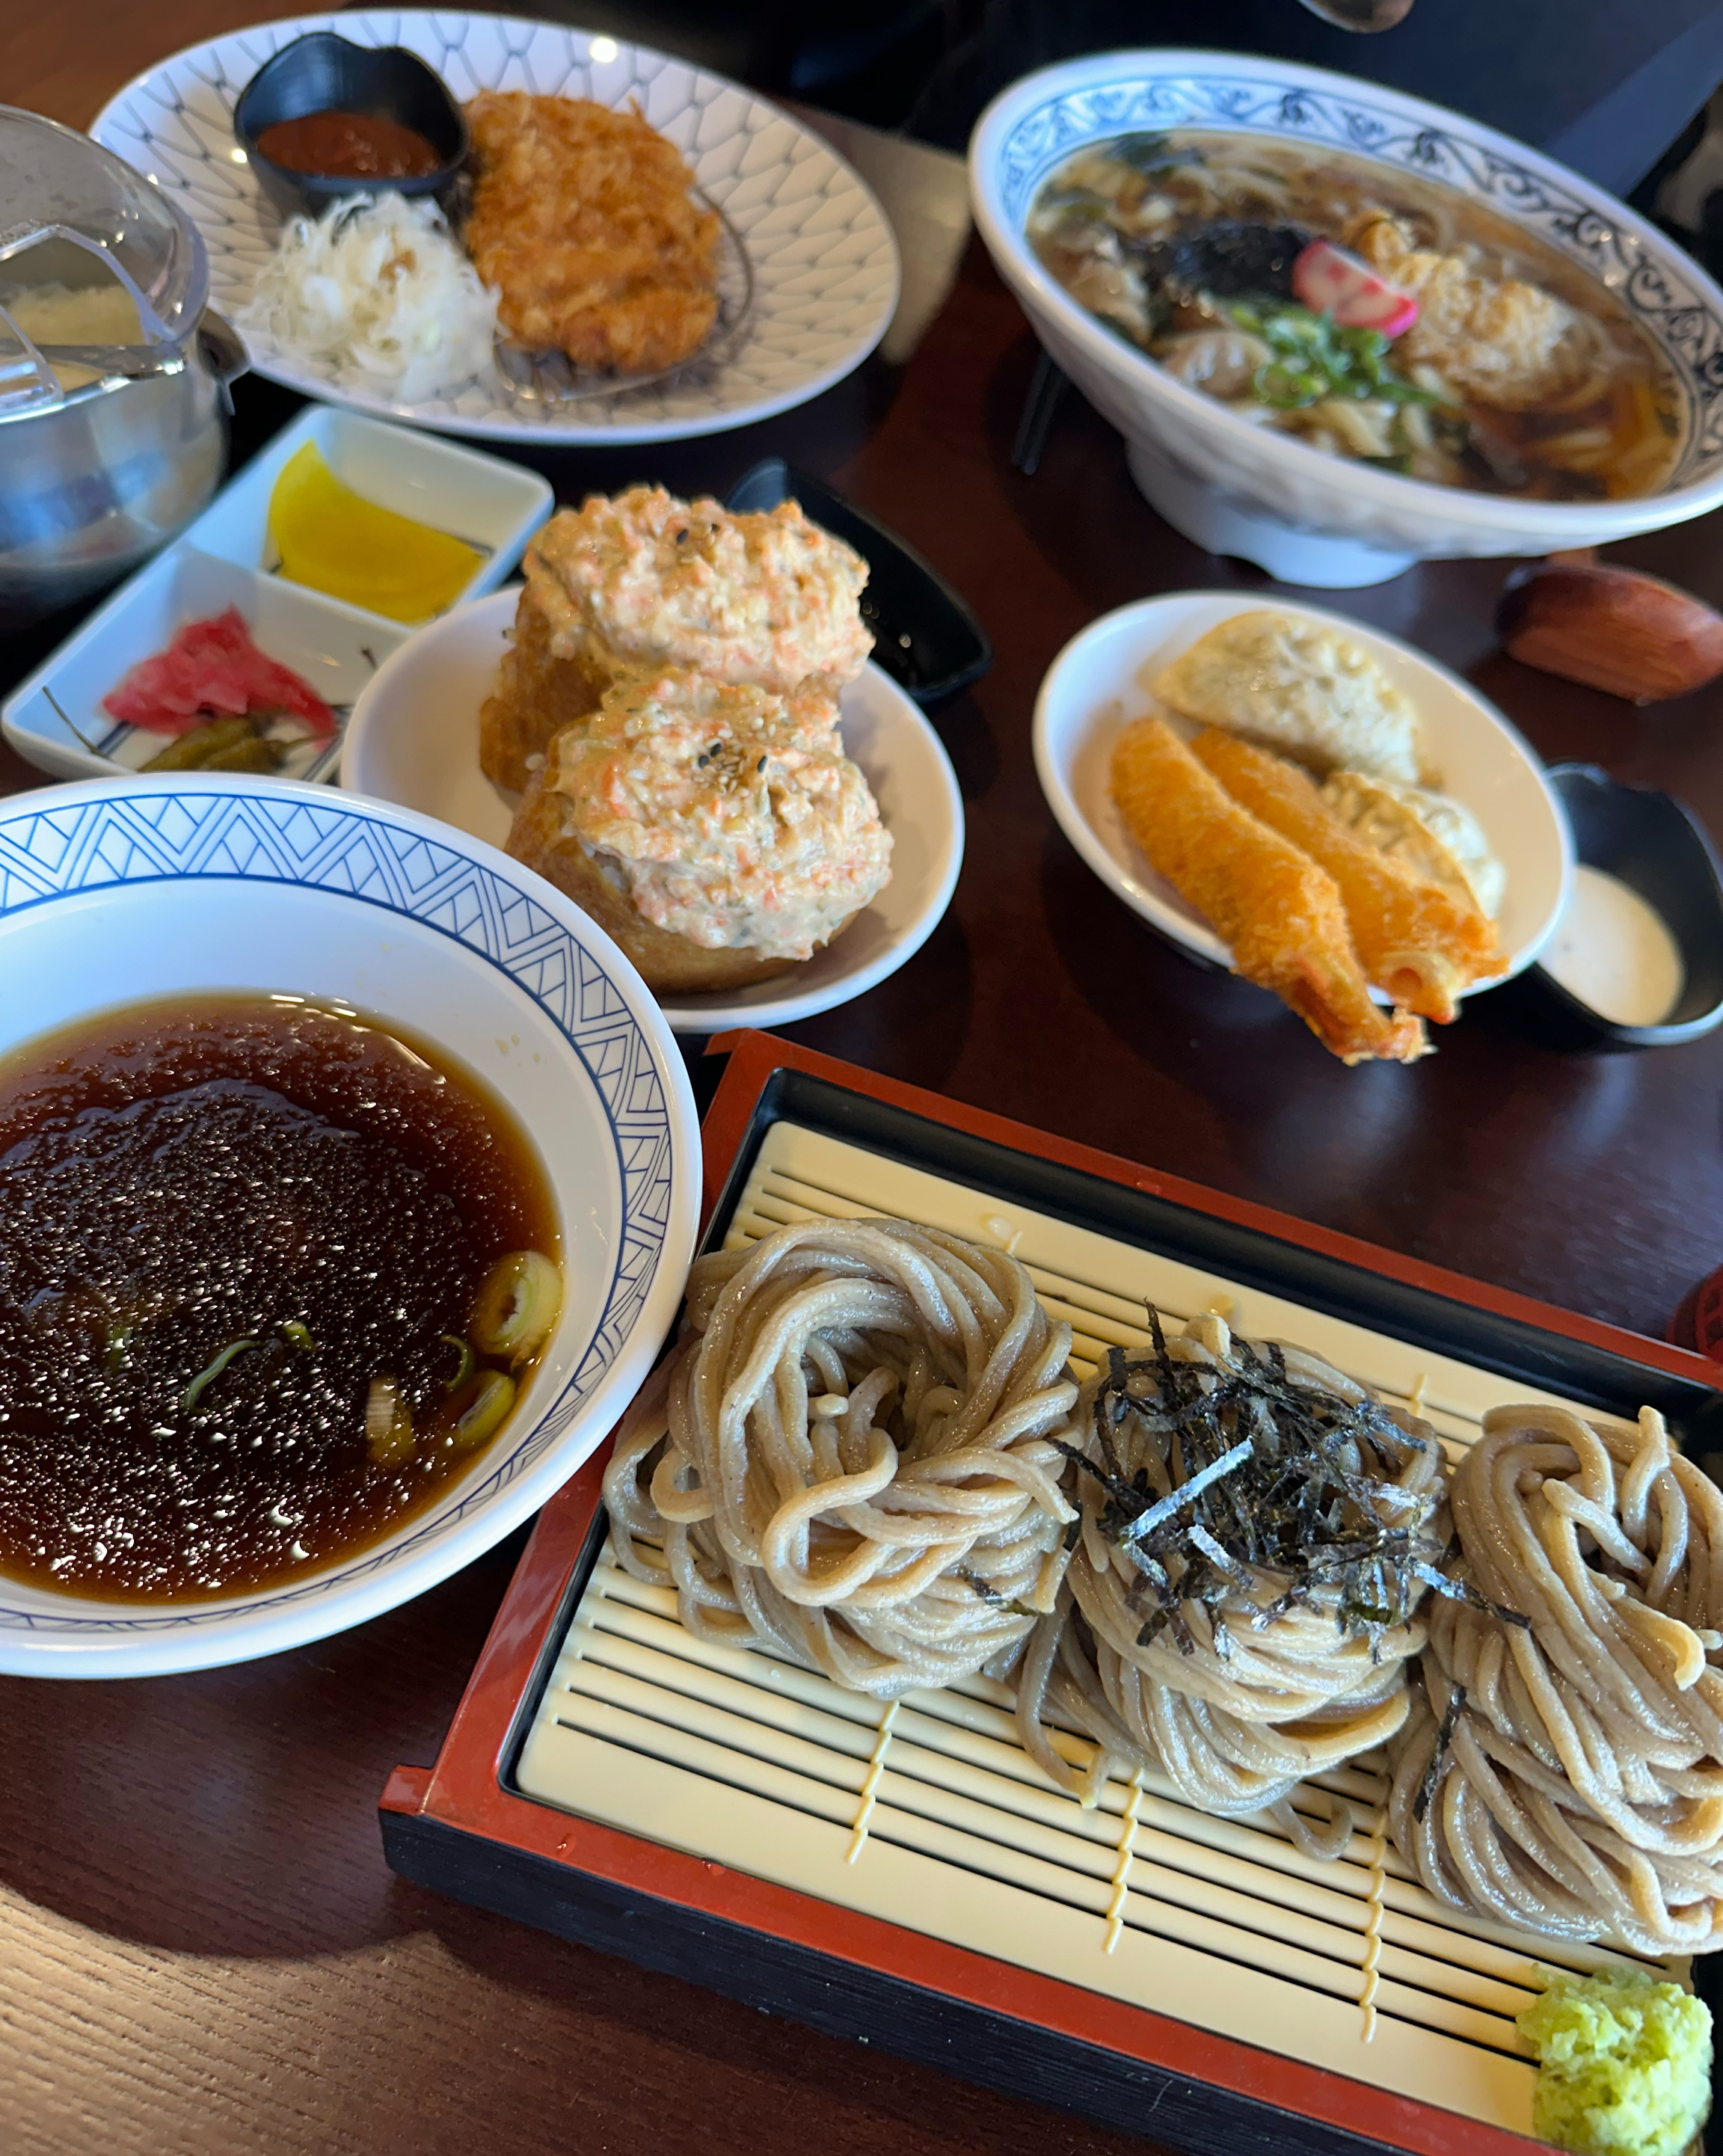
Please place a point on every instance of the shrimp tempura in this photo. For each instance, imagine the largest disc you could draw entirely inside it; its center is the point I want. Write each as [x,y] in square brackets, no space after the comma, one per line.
[1281,914]
[1415,941]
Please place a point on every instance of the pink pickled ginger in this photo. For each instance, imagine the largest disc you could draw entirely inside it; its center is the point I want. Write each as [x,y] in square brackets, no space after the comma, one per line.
[213,669]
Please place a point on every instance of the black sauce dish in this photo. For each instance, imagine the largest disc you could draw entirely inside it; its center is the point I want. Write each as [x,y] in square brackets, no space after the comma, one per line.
[925,635]
[1649,841]
[323,73]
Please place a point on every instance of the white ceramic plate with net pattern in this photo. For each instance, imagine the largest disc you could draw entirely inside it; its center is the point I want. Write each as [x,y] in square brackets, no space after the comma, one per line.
[824,263]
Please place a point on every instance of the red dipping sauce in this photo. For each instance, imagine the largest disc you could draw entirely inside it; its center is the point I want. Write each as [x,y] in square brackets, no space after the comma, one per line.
[350,145]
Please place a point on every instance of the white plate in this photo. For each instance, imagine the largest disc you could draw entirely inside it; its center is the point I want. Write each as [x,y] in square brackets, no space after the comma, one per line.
[823,259]
[335,648]
[226,557]
[1091,693]
[125,889]
[413,738]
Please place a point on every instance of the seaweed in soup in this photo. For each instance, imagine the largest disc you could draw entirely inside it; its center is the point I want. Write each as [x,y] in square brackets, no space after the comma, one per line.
[1228,259]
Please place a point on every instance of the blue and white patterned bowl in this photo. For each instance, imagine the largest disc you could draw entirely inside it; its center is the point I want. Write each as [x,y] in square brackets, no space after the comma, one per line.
[1194,457]
[114,893]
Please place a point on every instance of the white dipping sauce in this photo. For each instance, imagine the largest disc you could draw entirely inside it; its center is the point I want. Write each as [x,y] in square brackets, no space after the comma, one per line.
[1613,951]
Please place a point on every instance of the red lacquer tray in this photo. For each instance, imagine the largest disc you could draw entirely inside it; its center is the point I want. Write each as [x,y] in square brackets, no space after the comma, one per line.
[466,1827]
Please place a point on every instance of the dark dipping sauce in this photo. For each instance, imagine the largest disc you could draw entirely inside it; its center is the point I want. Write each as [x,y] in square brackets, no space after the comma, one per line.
[175,1177]
[350,145]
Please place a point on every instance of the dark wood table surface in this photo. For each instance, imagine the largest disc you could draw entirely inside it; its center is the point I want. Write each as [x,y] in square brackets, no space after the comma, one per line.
[200,1946]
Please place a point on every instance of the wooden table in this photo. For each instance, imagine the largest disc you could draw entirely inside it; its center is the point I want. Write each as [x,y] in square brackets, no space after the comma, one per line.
[200,1947]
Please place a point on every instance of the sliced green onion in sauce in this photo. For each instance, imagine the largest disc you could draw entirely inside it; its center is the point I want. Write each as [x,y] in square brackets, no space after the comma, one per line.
[1316,358]
[299,1335]
[469,1362]
[388,1426]
[207,1375]
[486,1416]
[519,1303]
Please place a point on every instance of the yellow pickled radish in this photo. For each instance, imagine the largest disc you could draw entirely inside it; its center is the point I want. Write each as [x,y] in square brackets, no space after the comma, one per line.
[336,541]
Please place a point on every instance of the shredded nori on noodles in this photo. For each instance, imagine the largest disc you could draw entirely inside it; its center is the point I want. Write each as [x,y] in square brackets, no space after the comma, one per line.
[990,1595]
[1266,1474]
[1461,1590]
[1444,1738]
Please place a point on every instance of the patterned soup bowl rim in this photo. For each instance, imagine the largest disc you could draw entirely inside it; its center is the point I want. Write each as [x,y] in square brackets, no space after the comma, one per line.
[198,882]
[1039,121]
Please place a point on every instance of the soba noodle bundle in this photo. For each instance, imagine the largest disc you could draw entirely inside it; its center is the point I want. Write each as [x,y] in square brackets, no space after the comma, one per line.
[1565,1769]
[847,1460]
[1257,1535]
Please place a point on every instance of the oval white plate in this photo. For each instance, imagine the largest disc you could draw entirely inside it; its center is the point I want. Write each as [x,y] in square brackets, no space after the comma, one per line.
[824,261]
[414,739]
[116,890]
[1090,693]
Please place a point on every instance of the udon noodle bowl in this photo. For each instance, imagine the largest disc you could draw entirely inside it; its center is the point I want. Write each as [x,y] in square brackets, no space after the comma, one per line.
[1376,315]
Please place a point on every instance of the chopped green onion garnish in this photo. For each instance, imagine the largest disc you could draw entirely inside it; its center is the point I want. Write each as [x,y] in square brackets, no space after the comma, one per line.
[469,1362]
[1288,389]
[388,1426]
[485,1417]
[299,1335]
[1316,358]
[206,1376]
[519,1303]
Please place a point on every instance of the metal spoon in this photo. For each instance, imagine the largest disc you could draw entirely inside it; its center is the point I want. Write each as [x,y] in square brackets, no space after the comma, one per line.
[1360,15]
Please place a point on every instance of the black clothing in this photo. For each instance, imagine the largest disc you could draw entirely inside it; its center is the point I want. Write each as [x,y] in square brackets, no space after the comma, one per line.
[1605,85]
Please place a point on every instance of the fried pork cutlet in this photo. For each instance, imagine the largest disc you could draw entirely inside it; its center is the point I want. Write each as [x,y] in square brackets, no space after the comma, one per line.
[582,219]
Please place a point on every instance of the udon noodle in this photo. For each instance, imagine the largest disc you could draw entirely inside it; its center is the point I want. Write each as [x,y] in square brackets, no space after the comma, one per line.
[848,1460]
[1566,1772]
[1256,1631]
[1520,374]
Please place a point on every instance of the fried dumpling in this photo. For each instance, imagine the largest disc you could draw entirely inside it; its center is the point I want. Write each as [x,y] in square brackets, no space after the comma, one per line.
[1438,839]
[1301,689]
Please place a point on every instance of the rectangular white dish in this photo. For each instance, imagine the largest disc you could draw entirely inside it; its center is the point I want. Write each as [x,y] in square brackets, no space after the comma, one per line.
[226,557]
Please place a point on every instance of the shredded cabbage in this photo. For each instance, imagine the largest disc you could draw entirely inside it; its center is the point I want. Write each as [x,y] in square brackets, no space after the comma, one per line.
[378,290]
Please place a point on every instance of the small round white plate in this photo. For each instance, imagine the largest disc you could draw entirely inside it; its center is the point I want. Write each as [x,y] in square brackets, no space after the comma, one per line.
[824,262]
[1091,692]
[414,739]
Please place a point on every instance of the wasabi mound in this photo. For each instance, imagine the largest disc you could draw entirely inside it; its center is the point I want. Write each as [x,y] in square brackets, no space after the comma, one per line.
[1624,2065]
